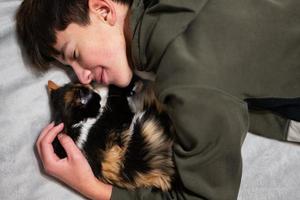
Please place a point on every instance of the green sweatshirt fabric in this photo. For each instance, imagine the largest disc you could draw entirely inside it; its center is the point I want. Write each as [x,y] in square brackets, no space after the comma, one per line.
[208,56]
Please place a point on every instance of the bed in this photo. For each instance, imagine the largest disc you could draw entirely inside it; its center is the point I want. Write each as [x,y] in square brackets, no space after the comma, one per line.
[271,169]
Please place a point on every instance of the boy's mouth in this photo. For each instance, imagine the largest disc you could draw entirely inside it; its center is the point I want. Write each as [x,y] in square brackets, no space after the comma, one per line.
[99,76]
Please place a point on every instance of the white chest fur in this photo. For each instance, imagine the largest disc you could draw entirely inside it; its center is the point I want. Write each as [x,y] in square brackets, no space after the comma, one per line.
[86,125]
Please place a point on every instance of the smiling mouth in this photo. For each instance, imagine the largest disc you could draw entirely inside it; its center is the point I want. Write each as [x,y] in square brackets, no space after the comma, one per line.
[99,77]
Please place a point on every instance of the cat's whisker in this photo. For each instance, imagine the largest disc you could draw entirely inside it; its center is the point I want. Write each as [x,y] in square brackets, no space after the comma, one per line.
[108,108]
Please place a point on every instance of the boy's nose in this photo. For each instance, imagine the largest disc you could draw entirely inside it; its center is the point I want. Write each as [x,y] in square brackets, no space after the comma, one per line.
[85,76]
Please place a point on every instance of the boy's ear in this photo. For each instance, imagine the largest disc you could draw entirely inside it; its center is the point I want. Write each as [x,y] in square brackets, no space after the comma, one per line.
[104,9]
[52,86]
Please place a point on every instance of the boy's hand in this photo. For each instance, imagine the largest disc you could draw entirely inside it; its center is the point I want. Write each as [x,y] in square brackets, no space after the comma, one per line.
[73,170]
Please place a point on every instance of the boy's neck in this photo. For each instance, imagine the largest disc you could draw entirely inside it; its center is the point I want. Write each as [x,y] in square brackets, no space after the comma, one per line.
[124,18]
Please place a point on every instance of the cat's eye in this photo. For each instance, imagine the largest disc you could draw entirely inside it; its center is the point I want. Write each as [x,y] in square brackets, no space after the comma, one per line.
[83,100]
[132,92]
[83,97]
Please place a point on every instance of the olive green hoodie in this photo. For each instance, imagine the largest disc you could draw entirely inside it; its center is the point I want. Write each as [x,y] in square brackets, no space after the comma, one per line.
[208,56]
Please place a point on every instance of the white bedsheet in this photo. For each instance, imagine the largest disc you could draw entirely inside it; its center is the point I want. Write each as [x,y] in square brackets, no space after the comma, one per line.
[271,168]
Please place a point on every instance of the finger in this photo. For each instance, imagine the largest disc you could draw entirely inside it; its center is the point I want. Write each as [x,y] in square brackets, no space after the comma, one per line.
[42,134]
[52,133]
[70,147]
[45,131]
[46,149]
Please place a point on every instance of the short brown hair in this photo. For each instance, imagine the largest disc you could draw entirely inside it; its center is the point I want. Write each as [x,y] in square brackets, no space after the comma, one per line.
[38,20]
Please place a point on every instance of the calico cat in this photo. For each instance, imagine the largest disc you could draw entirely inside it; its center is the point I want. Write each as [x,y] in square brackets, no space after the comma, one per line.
[124,133]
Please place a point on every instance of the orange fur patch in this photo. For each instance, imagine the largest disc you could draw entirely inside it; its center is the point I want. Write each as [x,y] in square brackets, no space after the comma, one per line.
[69,97]
[154,178]
[113,158]
[111,164]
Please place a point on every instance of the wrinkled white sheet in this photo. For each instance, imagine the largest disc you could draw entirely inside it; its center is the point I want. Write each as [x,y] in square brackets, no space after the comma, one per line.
[271,168]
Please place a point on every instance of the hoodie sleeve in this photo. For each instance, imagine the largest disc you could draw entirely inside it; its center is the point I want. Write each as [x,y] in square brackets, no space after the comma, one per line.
[268,124]
[210,128]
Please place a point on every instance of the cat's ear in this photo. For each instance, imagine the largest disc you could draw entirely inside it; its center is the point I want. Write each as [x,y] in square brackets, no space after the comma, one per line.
[52,86]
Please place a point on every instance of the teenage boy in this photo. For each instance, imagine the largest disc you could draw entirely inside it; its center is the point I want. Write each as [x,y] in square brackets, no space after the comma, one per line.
[208,57]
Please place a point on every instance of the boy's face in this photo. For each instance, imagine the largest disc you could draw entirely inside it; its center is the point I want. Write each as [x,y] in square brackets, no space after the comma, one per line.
[95,52]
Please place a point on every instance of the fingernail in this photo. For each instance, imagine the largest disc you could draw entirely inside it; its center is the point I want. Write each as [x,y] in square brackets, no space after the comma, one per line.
[59,136]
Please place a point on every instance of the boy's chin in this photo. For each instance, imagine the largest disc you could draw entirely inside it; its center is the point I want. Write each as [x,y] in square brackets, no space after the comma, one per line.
[123,82]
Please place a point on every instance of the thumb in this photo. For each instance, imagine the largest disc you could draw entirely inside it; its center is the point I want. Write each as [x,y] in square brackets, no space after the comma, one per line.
[69,145]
